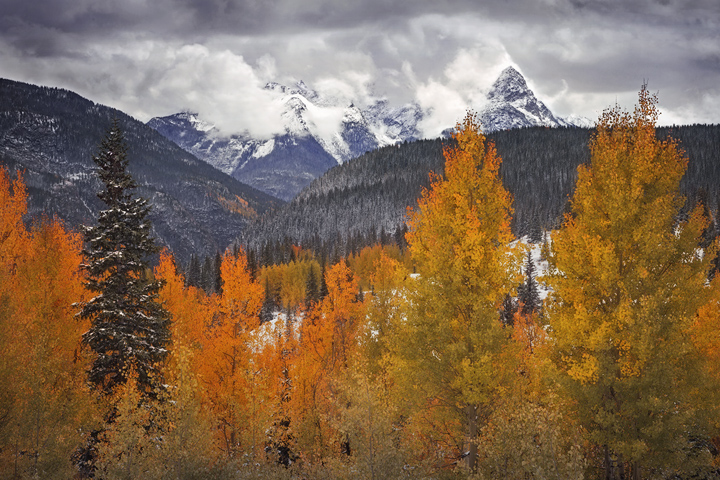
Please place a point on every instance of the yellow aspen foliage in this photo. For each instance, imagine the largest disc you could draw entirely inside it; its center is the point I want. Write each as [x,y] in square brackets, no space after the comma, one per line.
[453,339]
[385,308]
[363,264]
[530,439]
[628,280]
[289,282]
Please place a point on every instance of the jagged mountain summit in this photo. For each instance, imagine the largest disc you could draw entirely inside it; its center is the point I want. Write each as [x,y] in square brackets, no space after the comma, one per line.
[511,104]
[284,164]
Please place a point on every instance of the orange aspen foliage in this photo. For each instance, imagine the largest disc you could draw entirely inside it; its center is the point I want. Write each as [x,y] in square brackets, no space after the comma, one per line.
[242,297]
[182,303]
[227,370]
[13,247]
[190,309]
[326,347]
[705,332]
[340,313]
[44,403]
[13,205]
[275,356]
[705,335]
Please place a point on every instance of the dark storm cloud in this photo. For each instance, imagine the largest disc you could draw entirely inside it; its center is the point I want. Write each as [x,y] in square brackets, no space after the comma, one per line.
[261,17]
[153,57]
[245,17]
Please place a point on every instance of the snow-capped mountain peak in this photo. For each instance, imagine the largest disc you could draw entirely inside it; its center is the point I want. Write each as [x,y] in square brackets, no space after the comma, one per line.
[293,116]
[321,131]
[510,87]
[511,104]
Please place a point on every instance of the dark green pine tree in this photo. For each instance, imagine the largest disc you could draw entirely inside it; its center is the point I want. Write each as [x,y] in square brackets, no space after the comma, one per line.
[508,310]
[529,292]
[267,311]
[129,327]
[312,288]
[194,274]
[217,281]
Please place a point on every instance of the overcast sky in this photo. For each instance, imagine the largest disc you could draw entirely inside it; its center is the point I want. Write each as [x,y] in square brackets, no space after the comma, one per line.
[157,57]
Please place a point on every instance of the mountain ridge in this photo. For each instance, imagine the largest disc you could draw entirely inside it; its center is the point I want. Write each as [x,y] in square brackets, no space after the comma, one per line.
[51,135]
[307,152]
[363,201]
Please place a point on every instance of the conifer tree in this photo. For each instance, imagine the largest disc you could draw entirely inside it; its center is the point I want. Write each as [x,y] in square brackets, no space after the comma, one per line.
[312,289]
[270,304]
[194,274]
[528,292]
[129,327]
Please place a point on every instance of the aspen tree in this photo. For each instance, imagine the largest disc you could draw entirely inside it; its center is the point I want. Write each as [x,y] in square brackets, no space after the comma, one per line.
[628,280]
[460,242]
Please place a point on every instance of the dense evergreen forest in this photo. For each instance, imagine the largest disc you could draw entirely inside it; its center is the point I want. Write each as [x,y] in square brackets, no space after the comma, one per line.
[366,199]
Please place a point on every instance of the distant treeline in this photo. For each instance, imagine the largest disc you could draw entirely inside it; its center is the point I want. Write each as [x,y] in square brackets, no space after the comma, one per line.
[365,200]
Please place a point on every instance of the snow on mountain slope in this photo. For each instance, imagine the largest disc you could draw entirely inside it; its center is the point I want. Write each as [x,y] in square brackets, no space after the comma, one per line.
[322,131]
[511,104]
[576,121]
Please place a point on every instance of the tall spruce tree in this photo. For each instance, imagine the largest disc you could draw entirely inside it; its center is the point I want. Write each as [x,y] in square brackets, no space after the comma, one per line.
[529,292]
[129,327]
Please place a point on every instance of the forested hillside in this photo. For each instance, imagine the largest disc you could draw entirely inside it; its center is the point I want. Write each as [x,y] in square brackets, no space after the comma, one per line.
[51,134]
[354,204]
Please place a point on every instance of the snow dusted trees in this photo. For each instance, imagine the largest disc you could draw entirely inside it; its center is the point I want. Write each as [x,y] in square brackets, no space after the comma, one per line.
[129,328]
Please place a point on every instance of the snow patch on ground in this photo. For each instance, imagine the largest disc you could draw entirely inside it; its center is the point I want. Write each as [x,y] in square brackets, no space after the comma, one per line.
[269,332]
[542,267]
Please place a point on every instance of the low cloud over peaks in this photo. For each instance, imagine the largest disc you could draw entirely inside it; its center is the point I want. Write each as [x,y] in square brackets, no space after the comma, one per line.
[153,58]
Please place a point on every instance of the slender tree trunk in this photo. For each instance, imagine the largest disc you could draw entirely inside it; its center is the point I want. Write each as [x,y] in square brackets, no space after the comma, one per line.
[17,453]
[608,465]
[472,436]
[371,431]
[37,442]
